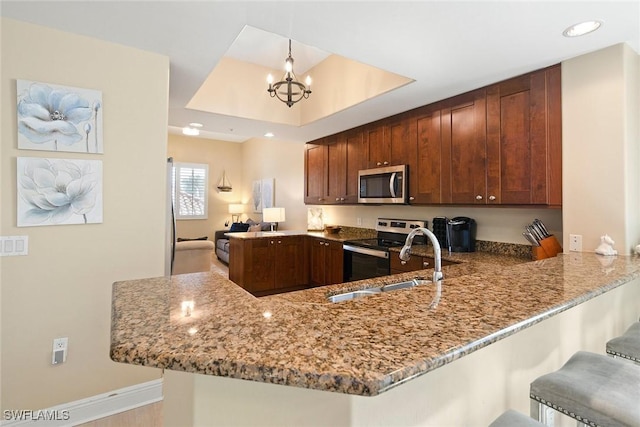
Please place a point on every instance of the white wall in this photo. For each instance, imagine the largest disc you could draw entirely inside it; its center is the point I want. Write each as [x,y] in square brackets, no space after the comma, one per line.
[600,147]
[62,288]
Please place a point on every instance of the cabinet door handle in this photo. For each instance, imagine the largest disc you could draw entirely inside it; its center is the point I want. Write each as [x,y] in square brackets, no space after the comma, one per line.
[411,198]
[478,197]
[320,199]
[425,264]
[272,242]
[492,198]
[337,199]
[279,241]
[321,243]
[378,164]
[385,163]
[403,262]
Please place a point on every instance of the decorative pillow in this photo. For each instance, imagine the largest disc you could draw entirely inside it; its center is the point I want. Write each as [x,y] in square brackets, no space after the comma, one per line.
[238,227]
[186,239]
[260,226]
[266,226]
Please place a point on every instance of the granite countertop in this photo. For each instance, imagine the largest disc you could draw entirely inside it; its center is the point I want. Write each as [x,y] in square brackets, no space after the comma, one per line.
[347,233]
[364,346]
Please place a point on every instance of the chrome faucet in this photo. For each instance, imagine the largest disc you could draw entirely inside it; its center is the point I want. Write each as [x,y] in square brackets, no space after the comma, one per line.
[405,252]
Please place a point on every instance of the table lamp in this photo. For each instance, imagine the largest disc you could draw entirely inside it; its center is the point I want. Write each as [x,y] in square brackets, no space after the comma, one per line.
[235,209]
[274,216]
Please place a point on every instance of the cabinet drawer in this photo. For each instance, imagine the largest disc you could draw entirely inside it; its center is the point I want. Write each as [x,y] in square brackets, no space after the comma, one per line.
[414,263]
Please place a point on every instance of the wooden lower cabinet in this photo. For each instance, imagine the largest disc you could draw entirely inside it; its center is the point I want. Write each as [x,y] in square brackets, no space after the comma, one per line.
[326,261]
[268,263]
[414,263]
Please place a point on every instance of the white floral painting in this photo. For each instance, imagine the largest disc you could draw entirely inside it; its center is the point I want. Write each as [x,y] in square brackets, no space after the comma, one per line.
[59,191]
[267,193]
[59,118]
[256,196]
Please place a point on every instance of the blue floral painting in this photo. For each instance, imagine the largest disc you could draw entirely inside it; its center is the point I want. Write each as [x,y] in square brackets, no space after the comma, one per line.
[59,191]
[59,118]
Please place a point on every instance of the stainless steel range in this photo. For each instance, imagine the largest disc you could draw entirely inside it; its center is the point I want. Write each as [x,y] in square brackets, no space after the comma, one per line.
[368,258]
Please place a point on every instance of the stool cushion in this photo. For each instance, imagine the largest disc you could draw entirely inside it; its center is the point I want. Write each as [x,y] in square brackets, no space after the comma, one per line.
[594,389]
[626,345]
[513,418]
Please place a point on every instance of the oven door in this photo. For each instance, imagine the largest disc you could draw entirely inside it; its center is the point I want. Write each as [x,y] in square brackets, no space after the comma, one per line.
[364,263]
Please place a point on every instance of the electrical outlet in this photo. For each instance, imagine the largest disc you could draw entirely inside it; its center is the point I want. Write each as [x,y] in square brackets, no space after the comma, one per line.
[59,354]
[359,221]
[575,242]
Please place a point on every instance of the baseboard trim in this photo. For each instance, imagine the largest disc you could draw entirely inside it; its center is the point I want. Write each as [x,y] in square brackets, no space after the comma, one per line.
[94,407]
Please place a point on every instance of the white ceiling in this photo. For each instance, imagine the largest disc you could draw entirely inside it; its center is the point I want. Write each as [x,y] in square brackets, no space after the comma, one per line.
[447,47]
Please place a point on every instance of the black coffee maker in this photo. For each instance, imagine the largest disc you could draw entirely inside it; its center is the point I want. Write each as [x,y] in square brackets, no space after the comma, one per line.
[461,234]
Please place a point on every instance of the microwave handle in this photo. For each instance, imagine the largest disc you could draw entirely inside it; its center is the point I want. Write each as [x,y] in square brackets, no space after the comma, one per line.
[392,182]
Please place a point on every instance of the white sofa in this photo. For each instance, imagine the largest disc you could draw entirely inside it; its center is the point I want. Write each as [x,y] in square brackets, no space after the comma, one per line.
[193,256]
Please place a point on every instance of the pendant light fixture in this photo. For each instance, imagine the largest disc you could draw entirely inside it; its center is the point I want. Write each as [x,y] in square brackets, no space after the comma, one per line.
[289,90]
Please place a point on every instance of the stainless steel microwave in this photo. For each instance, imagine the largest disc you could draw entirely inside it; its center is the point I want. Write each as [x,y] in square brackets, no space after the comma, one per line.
[383,185]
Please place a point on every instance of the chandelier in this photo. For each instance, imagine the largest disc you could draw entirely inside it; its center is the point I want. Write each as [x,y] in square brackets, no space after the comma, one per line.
[289,90]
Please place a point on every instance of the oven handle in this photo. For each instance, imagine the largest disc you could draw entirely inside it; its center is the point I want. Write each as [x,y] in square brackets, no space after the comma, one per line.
[366,251]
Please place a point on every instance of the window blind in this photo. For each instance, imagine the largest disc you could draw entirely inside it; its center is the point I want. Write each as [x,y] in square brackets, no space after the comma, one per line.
[190,195]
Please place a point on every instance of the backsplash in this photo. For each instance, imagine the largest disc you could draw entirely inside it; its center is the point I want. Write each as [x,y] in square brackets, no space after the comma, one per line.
[499,248]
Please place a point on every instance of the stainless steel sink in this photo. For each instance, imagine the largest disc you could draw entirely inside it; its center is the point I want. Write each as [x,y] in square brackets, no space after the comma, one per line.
[354,294]
[346,296]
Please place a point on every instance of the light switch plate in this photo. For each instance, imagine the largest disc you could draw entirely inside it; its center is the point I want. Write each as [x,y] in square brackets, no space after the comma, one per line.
[575,242]
[14,245]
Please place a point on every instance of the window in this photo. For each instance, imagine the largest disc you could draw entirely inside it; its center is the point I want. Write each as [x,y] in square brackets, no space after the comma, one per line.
[190,196]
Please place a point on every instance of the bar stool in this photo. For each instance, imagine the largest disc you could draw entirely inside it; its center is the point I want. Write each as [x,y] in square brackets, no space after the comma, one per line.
[512,418]
[593,389]
[626,345]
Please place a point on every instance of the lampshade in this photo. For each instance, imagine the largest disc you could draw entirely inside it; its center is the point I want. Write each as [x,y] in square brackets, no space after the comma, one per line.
[273,214]
[236,208]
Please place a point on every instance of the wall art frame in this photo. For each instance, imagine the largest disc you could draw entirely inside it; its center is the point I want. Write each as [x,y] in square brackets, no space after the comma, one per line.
[53,117]
[58,191]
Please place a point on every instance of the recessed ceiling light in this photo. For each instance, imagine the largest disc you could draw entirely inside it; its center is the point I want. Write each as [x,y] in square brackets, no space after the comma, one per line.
[195,125]
[269,135]
[581,29]
[190,131]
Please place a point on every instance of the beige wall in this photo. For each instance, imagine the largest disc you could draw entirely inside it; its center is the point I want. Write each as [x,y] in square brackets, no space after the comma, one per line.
[220,156]
[600,145]
[283,161]
[63,287]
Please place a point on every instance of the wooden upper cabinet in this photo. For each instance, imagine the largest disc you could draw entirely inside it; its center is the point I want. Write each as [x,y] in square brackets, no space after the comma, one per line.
[463,130]
[355,160]
[401,134]
[389,142]
[499,145]
[331,168]
[425,173]
[524,140]
[336,169]
[379,153]
[315,165]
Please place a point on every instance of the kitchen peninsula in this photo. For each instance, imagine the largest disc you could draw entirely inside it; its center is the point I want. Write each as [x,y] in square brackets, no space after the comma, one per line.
[499,324]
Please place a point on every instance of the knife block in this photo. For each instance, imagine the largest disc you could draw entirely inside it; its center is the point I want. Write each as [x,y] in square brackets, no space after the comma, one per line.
[548,248]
